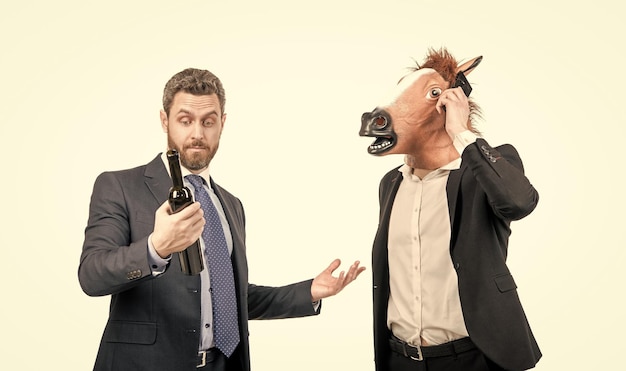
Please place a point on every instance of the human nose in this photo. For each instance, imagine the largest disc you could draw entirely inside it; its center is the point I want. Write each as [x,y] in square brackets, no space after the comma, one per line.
[198,131]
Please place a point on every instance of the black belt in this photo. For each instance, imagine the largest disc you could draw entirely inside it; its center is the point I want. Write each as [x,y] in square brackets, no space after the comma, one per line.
[206,356]
[418,353]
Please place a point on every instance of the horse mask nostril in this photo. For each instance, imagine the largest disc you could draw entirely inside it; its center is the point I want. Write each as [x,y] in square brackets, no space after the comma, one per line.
[380,122]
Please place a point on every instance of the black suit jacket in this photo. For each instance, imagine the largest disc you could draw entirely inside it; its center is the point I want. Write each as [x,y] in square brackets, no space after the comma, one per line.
[484,196]
[154,322]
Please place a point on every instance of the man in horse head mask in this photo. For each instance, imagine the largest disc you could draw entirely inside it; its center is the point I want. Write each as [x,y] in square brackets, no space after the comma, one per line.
[444,298]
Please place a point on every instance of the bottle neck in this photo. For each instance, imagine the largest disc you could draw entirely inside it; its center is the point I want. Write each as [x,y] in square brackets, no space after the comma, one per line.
[175,170]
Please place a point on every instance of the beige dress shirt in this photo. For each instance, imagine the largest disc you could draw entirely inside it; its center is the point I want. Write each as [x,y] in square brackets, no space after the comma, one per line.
[424,305]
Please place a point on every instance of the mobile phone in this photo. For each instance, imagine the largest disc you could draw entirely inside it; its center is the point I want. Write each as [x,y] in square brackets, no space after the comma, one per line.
[461,81]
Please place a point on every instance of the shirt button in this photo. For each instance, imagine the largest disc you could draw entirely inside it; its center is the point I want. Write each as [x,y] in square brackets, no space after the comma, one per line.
[207,325]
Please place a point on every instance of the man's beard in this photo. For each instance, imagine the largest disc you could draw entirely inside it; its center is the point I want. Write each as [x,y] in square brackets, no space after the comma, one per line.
[195,161]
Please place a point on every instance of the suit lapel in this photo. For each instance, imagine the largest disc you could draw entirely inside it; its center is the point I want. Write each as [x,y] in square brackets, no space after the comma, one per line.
[157,179]
[453,189]
[388,197]
[389,189]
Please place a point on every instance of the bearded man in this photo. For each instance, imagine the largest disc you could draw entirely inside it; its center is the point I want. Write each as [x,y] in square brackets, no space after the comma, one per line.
[161,318]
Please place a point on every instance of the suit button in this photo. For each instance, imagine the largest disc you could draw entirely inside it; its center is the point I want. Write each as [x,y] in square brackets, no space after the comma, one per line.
[457,266]
[132,275]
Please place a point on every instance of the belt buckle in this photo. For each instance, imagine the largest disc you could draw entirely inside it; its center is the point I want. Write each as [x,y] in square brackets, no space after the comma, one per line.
[420,357]
[203,352]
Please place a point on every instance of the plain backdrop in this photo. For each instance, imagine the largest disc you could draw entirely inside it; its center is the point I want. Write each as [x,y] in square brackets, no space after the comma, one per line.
[81,85]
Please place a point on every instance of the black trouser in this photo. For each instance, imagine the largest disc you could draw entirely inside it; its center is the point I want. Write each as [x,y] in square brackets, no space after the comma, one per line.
[213,360]
[471,360]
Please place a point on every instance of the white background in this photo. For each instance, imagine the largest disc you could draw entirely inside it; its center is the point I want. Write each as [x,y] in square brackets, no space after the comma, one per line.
[81,86]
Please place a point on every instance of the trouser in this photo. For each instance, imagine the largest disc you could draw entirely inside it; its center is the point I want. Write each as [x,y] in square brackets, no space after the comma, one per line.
[460,355]
[211,360]
[472,360]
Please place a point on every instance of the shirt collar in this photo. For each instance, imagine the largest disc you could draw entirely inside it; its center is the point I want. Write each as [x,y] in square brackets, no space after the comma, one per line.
[407,171]
[204,174]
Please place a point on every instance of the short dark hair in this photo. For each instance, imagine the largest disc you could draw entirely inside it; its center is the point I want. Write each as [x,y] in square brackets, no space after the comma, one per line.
[193,81]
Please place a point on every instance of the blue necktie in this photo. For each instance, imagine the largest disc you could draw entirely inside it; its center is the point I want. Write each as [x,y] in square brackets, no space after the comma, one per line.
[225,326]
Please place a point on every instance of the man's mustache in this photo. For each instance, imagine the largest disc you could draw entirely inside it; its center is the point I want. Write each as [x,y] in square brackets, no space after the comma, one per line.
[196,144]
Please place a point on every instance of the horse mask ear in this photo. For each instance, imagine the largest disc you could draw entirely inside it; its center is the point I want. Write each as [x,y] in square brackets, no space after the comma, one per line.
[464,69]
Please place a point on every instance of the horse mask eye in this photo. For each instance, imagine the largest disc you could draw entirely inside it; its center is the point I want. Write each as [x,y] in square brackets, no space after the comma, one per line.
[434,93]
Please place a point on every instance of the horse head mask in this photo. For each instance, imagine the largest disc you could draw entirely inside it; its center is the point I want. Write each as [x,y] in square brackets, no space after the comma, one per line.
[408,119]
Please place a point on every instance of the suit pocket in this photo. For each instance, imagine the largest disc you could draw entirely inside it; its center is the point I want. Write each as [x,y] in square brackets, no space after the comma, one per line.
[130,332]
[505,283]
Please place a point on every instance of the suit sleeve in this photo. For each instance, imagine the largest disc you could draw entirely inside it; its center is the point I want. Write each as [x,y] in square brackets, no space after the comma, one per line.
[500,173]
[289,301]
[110,262]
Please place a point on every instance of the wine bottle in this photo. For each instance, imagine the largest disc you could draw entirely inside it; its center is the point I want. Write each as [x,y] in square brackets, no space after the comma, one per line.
[179,198]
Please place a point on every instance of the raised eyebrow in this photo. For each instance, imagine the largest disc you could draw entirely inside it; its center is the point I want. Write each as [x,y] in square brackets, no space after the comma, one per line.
[211,113]
[183,111]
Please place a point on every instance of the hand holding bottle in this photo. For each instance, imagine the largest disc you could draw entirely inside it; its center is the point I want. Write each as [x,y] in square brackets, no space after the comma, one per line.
[174,232]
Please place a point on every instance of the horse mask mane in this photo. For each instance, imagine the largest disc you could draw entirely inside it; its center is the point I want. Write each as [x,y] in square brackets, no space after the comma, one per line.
[408,119]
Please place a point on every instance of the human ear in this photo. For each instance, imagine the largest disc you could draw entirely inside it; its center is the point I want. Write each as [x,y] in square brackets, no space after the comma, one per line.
[164,122]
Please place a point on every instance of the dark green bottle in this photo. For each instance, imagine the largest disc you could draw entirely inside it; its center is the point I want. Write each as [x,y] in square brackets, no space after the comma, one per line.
[179,198]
